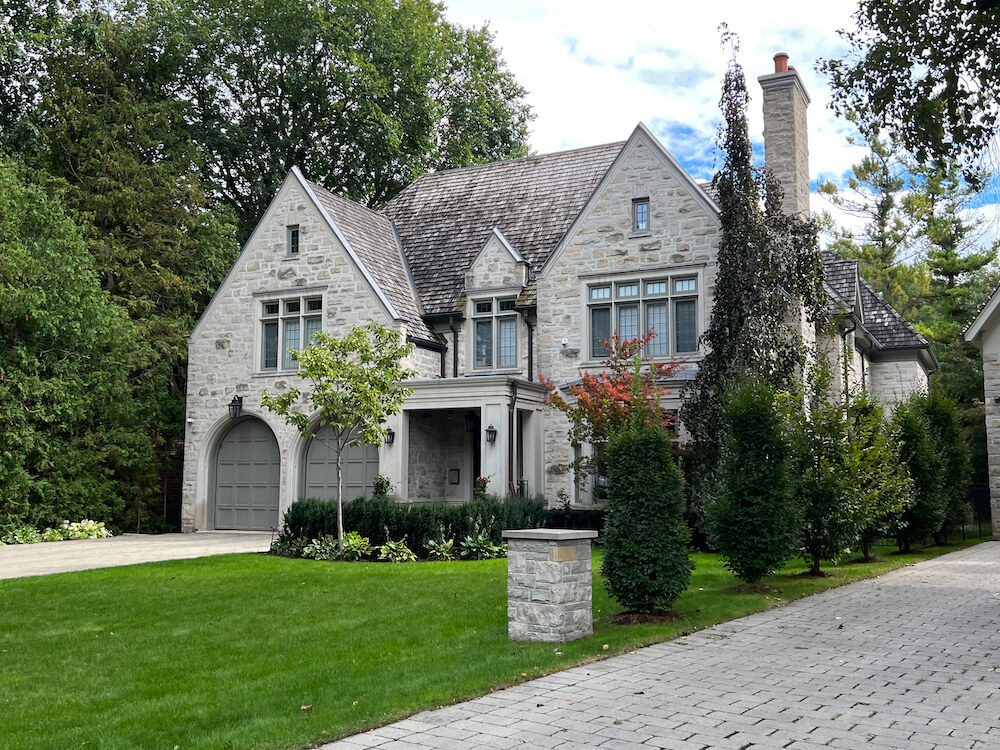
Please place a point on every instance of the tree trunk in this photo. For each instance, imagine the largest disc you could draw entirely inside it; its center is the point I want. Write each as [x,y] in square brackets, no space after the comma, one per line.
[340,501]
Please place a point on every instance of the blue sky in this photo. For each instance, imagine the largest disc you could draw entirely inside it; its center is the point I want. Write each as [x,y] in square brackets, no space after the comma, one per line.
[593,70]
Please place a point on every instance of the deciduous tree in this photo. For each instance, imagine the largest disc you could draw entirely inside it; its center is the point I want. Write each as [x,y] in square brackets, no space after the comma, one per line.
[926,70]
[354,387]
[72,443]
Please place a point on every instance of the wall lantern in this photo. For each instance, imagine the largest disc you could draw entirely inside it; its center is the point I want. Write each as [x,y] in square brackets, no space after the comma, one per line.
[470,422]
[491,434]
[390,435]
[235,407]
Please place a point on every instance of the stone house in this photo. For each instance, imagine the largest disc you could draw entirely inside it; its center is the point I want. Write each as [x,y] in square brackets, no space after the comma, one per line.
[983,332]
[495,273]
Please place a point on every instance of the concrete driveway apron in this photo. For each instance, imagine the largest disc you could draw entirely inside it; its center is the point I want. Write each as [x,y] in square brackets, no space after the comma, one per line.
[19,560]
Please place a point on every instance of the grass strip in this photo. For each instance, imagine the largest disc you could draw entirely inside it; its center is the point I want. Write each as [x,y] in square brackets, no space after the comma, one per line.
[223,652]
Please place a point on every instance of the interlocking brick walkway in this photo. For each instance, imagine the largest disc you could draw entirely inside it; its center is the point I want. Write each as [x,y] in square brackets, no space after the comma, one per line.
[910,661]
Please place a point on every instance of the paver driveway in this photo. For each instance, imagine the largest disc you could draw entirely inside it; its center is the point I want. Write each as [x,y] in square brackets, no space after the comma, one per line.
[910,661]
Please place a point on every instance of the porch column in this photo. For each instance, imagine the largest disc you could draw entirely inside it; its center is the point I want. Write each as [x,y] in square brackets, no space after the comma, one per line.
[393,460]
[494,461]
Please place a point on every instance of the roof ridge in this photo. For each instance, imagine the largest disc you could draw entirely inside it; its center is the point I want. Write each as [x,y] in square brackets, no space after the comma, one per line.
[514,160]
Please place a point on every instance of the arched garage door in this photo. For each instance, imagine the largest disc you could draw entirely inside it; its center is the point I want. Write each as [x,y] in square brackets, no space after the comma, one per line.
[320,480]
[246,478]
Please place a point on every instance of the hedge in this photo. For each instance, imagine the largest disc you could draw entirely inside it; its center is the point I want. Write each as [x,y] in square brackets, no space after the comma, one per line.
[313,518]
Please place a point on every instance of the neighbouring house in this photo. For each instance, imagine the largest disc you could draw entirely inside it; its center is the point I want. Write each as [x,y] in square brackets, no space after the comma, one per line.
[495,273]
[984,333]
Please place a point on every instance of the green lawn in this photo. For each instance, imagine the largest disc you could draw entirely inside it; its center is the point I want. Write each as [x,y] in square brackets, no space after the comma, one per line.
[223,652]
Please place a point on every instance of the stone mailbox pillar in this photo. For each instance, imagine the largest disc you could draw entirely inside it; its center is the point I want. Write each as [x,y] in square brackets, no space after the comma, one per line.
[549,584]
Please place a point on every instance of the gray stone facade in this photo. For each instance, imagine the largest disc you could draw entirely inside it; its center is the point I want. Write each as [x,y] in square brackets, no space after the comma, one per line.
[549,584]
[536,238]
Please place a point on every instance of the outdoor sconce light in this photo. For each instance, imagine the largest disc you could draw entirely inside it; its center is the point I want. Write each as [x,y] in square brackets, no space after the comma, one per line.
[996,399]
[470,422]
[491,434]
[235,407]
[390,435]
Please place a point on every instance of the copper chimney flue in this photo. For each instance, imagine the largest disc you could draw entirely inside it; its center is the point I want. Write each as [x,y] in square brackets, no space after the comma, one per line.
[781,62]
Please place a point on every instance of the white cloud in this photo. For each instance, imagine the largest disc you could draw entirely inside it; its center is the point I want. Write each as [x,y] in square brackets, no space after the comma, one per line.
[594,70]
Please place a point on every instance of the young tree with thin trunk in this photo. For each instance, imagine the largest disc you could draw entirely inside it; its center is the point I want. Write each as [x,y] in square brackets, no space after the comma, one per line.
[354,388]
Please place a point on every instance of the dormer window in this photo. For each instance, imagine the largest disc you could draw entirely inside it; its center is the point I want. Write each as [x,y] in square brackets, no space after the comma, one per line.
[293,240]
[640,215]
[495,333]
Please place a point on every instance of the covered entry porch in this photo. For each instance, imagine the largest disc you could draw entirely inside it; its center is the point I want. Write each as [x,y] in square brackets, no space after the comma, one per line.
[454,429]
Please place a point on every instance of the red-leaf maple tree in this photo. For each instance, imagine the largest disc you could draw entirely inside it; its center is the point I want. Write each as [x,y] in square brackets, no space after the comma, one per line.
[626,393]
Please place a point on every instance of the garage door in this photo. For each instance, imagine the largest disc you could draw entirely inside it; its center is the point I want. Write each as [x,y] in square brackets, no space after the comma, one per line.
[247,475]
[360,469]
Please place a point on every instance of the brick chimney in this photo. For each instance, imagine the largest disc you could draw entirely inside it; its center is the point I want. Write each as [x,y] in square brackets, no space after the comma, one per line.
[786,139]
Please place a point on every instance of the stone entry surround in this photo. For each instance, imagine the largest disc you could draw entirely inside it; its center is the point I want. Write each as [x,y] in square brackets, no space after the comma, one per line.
[549,584]
[908,661]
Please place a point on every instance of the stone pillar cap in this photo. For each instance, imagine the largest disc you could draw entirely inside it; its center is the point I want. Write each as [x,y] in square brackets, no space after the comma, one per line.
[553,535]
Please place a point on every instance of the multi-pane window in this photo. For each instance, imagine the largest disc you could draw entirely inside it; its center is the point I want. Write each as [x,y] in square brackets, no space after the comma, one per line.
[666,306]
[640,215]
[494,333]
[287,325]
[293,240]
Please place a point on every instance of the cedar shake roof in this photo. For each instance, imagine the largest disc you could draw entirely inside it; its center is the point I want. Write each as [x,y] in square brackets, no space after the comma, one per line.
[842,278]
[444,218]
[887,325]
[372,238]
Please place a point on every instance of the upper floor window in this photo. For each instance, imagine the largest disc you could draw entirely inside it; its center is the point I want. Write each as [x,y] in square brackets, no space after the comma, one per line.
[293,240]
[287,325]
[495,333]
[668,306]
[640,215]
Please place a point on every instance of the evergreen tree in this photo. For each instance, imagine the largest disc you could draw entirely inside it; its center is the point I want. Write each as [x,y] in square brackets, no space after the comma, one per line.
[882,192]
[880,482]
[752,520]
[946,431]
[918,452]
[645,564]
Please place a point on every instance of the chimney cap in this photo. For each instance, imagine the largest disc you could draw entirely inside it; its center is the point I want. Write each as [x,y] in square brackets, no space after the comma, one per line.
[781,62]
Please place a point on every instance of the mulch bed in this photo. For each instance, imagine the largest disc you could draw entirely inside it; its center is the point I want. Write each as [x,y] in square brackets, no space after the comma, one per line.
[643,618]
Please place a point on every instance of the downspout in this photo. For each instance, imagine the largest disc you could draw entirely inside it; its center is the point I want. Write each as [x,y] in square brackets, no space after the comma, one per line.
[454,347]
[531,349]
[843,354]
[511,411]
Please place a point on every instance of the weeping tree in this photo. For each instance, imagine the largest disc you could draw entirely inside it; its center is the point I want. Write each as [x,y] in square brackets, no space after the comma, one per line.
[355,388]
[770,275]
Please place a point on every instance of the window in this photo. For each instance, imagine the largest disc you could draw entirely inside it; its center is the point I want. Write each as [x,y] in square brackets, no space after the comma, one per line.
[293,240]
[494,333]
[667,306]
[286,326]
[640,215]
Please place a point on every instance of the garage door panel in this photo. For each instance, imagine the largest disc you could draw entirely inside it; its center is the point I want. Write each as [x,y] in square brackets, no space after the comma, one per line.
[247,478]
[320,480]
